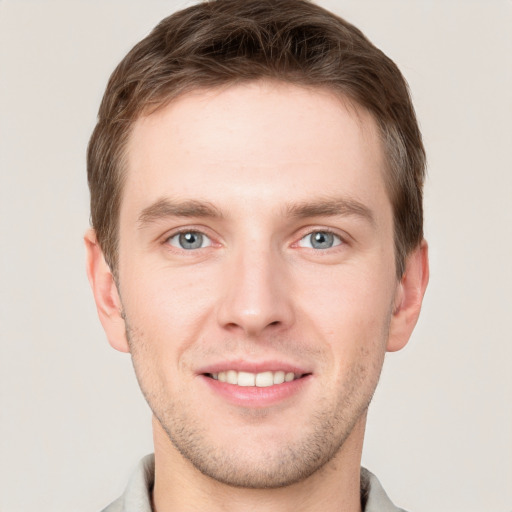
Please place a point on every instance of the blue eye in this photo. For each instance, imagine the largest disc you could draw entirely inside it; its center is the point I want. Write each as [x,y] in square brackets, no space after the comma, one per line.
[189,240]
[320,240]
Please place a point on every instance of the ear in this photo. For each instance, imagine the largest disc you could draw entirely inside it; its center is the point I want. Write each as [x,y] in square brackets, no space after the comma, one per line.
[409,297]
[106,295]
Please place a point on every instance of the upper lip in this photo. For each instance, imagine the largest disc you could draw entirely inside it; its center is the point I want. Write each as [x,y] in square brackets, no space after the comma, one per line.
[253,367]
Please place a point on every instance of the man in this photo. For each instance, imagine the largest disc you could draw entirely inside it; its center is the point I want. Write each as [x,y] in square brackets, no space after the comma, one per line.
[256,193]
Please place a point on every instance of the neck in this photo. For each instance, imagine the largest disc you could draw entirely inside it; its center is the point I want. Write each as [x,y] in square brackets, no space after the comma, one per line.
[180,487]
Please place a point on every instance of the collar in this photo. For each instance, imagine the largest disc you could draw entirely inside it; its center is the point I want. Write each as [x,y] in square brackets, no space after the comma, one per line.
[137,496]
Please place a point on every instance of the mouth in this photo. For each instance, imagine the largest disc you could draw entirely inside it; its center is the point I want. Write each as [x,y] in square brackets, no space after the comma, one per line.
[256,385]
[260,380]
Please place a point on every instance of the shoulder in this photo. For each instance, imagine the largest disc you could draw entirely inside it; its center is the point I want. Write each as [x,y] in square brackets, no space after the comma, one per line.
[373,496]
[137,495]
[115,506]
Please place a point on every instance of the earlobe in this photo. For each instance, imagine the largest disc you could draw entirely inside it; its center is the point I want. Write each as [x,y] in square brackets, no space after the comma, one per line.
[408,298]
[106,296]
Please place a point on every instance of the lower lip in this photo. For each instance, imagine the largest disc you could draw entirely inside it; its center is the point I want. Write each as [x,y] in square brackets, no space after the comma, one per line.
[252,396]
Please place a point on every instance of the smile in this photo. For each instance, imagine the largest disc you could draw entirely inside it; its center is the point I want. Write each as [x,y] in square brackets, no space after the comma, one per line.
[268,384]
[260,380]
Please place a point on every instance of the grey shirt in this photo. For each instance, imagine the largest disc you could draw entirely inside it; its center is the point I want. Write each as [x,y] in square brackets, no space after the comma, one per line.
[137,495]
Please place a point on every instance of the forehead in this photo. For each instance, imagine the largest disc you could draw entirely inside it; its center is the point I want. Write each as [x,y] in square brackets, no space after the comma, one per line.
[264,142]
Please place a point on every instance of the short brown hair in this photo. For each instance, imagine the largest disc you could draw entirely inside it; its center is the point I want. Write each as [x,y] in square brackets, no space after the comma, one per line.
[222,42]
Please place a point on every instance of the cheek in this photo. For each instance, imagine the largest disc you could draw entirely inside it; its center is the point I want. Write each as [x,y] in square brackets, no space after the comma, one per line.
[350,310]
[174,292]
[346,297]
[168,309]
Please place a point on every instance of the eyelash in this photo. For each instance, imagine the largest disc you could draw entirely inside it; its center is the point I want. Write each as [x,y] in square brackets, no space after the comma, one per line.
[201,231]
[197,231]
[328,231]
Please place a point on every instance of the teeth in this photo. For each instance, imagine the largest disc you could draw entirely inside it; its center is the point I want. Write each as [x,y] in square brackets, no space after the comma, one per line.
[231,377]
[260,380]
[264,379]
[278,377]
[245,379]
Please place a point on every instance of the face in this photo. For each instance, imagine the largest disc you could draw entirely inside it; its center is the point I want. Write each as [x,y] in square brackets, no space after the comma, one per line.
[256,276]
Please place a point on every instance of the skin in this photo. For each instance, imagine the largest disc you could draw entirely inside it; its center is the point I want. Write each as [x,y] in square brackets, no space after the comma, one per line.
[268,164]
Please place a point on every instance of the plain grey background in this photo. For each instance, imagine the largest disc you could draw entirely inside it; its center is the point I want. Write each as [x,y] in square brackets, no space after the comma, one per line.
[73,421]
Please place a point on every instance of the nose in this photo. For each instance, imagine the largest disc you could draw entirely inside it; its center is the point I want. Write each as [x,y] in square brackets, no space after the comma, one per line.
[257,294]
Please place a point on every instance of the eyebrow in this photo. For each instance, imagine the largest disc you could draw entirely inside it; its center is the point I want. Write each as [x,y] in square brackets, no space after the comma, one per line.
[331,207]
[164,208]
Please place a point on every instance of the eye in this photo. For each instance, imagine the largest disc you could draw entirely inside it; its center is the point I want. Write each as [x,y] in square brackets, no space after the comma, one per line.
[189,240]
[320,240]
